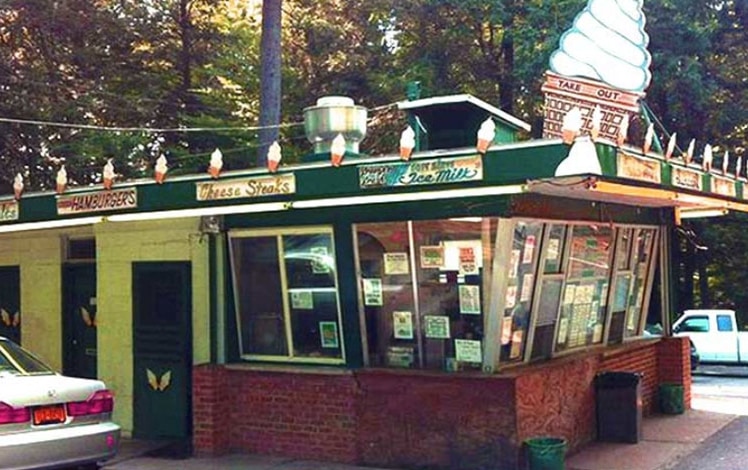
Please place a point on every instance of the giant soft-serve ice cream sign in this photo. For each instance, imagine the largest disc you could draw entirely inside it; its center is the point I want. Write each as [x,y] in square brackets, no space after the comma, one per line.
[602,61]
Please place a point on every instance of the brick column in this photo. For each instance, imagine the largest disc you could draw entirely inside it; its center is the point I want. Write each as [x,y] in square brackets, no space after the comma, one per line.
[209,409]
[674,364]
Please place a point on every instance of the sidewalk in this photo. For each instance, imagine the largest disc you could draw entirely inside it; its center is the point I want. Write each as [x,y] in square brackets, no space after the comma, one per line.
[666,439]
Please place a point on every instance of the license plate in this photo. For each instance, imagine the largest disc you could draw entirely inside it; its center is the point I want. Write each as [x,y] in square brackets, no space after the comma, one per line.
[49,415]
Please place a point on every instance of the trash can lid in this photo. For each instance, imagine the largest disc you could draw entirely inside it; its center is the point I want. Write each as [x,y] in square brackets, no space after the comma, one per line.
[617,379]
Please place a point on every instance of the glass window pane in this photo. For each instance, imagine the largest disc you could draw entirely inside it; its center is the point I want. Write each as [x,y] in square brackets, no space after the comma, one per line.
[624,249]
[583,304]
[312,295]
[642,254]
[258,289]
[519,290]
[555,249]
[695,325]
[387,294]
[451,294]
[724,323]
[545,326]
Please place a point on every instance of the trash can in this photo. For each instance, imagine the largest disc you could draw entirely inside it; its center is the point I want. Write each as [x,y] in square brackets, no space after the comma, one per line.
[546,453]
[671,399]
[619,406]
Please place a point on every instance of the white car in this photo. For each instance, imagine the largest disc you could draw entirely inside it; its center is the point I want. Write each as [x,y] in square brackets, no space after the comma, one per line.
[48,420]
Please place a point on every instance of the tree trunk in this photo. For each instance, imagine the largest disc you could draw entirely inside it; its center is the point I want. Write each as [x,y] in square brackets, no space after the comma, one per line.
[270,77]
[705,295]
[688,269]
[185,54]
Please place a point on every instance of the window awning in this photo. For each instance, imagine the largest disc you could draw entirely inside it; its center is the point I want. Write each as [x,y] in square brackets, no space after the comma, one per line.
[602,189]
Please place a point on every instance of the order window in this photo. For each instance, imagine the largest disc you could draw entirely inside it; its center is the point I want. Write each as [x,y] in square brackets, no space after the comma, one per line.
[286,294]
[423,291]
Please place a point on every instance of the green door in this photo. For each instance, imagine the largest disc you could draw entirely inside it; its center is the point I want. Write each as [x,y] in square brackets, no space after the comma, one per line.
[79,320]
[10,303]
[162,348]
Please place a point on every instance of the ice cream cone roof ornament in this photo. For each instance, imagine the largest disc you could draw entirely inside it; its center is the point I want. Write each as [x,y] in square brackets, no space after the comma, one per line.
[274,156]
[670,146]
[582,159]
[486,134]
[572,124]
[18,185]
[109,174]
[689,152]
[216,163]
[407,143]
[337,150]
[725,162]
[648,137]
[61,179]
[738,166]
[707,158]
[607,43]
[161,169]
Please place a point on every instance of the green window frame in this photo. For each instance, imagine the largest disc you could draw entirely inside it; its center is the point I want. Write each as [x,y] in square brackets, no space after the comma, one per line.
[286,295]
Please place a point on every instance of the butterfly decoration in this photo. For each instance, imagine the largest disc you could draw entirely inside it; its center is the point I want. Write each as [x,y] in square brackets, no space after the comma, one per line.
[10,320]
[157,384]
[88,318]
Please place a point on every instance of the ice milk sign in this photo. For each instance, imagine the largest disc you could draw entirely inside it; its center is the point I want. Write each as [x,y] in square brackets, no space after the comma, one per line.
[413,173]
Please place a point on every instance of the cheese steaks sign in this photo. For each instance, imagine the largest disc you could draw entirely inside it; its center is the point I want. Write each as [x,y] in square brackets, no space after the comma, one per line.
[248,187]
[114,200]
[413,173]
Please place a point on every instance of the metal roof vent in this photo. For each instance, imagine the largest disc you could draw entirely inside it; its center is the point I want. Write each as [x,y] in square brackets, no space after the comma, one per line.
[331,116]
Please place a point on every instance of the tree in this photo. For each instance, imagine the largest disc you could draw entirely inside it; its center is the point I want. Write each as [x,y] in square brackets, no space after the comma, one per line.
[270,83]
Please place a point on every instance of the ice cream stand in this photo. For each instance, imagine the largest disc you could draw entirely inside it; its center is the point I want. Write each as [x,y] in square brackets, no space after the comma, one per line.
[436,306]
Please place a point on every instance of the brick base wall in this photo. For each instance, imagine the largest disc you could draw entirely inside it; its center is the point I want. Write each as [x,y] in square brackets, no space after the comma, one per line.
[429,420]
[674,364]
[412,419]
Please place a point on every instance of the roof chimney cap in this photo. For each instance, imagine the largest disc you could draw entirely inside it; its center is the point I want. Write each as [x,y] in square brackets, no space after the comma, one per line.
[335,101]
[331,116]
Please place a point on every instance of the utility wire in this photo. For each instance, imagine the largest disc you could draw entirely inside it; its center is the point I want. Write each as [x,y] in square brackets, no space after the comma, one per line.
[143,129]
[163,129]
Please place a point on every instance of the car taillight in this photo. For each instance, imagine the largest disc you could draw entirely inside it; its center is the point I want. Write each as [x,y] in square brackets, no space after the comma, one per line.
[9,415]
[100,402]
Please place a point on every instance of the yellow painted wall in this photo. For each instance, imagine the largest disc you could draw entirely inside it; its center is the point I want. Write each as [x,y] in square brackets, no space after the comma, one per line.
[39,255]
[118,245]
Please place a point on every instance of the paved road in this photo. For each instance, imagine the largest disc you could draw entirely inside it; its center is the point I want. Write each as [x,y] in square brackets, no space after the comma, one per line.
[722,389]
[725,450]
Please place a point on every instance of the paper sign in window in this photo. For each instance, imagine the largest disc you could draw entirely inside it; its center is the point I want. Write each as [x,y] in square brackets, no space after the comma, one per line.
[511,297]
[320,260]
[529,249]
[396,263]
[403,324]
[516,344]
[467,350]
[514,263]
[526,291]
[328,332]
[302,300]
[436,326]
[373,292]
[469,300]
[468,264]
[506,330]
[432,256]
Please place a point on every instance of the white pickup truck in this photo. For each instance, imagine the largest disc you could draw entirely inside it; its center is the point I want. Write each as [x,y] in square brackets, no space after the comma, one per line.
[715,335]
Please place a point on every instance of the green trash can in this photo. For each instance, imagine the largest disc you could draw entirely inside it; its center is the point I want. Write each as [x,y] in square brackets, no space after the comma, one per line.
[671,399]
[546,453]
